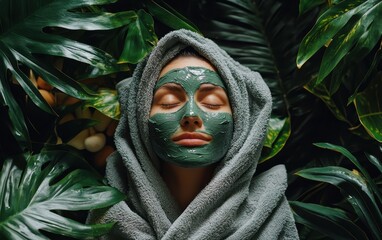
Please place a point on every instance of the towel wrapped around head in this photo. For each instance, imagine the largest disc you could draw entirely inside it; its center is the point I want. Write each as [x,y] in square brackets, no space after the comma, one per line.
[238,202]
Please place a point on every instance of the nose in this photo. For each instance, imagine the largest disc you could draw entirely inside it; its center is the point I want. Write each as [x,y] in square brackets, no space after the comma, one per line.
[191,122]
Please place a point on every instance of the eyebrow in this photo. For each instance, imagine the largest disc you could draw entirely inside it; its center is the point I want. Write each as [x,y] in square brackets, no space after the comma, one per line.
[209,87]
[171,87]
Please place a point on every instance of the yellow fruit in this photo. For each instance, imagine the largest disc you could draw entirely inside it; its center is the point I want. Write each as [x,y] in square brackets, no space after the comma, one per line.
[49,97]
[95,142]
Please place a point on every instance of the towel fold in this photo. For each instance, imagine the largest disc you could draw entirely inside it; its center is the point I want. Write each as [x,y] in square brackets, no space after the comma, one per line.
[238,203]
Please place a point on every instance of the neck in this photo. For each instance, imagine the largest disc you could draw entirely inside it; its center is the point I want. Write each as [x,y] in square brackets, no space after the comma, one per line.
[185,183]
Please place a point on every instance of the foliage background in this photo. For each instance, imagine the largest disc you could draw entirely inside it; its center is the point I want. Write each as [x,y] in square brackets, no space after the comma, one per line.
[321,60]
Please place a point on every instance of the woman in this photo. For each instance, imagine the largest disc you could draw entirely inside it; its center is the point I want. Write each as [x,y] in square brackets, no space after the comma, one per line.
[188,143]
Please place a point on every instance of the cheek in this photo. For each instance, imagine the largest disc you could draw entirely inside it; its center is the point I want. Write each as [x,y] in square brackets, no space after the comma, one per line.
[219,124]
[163,125]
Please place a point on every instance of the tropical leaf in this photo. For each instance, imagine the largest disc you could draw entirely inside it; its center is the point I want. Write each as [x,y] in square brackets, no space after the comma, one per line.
[333,222]
[368,104]
[307,5]
[24,34]
[375,162]
[56,179]
[325,93]
[350,23]
[106,102]
[258,36]
[169,16]
[354,160]
[277,135]
[140,39]
[356,190]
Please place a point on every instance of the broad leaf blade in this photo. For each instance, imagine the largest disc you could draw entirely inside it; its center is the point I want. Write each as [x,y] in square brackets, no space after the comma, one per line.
[277,134]
[368,105]
[333,222]
[49,183]
[16,116]
[349,35]
[375,162]
[23,33]
[355,189]
[169,16]
[140,38]
[326,28]
[106,102]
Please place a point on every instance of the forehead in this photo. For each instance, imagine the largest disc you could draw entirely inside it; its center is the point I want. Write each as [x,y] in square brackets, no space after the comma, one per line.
[186,61]
[190,72]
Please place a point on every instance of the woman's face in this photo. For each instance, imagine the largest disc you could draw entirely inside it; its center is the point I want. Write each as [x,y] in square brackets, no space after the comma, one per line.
[190,121]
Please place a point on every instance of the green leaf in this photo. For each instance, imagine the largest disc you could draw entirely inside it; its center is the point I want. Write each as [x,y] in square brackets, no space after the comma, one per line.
[24,34]
[106,102]
[333,222]
[375,162]
[55,179]
[368,105]
[326,27]
[354,160]
[70,129]
[370,74]
[169,16]
[18,129]
[263,35]
[354,188]
[306,5]
[325,93]
[365,21]
[140,39]
[278,133]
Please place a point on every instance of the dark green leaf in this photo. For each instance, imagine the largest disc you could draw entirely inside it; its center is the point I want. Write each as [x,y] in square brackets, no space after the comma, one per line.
[366,23]
[169,16]
[140,38]
[16,116]
[355,189]
[375,162]
[56,179]
[325,94]
[333,222]
[306,5]
[354,160]
[328,24]
[264,36]
[23,34]
[368,104]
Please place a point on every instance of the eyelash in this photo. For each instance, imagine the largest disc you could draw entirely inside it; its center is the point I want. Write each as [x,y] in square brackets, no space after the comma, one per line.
[212,106]
[168,106]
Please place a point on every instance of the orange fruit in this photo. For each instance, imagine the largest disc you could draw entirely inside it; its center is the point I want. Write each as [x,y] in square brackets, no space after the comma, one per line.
[43,85]
[101,156]
[48,96]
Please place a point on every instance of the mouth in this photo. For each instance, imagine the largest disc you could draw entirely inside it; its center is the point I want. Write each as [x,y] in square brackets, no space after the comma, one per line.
[192,139]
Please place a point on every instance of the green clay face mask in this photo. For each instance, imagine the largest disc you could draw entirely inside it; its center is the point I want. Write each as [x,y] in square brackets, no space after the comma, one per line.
[217,125]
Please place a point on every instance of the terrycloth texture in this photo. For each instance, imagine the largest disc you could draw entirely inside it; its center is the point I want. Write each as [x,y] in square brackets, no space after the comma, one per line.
[236,204]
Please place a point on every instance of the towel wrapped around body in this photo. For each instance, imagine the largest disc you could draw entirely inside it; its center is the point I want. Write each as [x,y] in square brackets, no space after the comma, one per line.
[238,202]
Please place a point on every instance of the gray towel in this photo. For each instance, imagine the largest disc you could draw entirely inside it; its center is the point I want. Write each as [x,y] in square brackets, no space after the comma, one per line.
[237,203]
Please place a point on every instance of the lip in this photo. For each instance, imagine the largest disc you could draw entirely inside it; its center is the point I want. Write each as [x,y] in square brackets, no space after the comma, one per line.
[192,139]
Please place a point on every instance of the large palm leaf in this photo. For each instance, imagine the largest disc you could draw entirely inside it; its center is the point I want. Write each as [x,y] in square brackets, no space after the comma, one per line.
[265,35]
[35,188]
[23,35]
